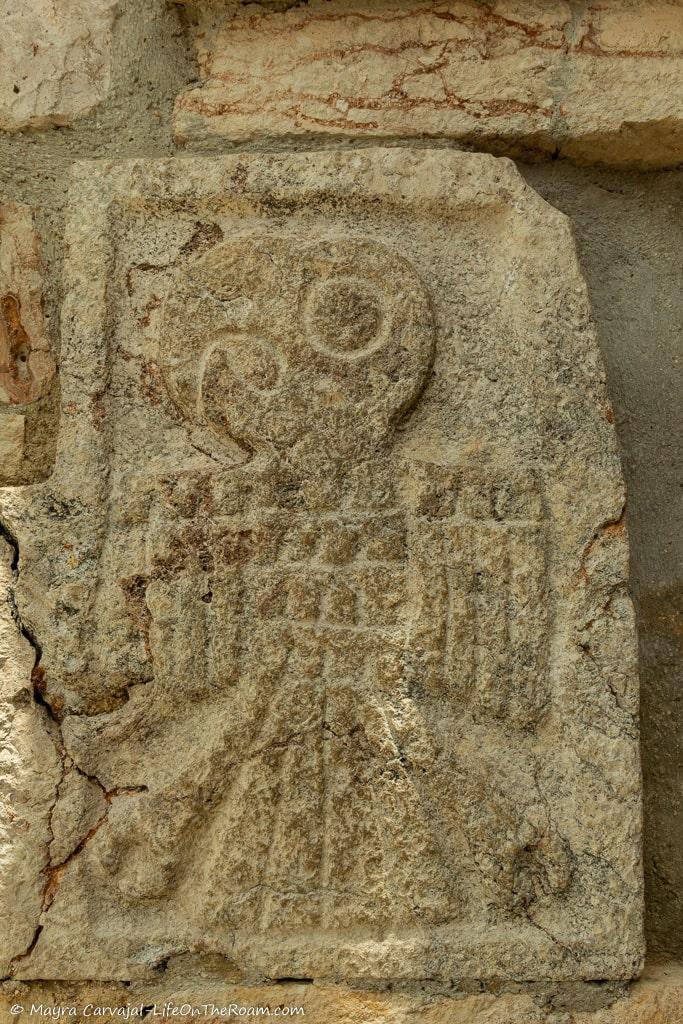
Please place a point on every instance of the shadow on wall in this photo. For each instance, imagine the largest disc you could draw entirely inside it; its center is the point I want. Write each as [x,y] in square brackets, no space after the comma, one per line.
[629,233]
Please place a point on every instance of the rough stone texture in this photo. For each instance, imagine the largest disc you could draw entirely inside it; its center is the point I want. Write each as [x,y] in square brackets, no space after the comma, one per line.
[595,81]
[629,230]
[149,65]
[55,60]
[336,524]
[12,434]
[26,366]
[195,983]
[29,774]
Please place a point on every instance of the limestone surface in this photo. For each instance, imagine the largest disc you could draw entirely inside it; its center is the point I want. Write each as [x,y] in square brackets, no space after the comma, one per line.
[27,369]
[26,366]
[55,60]
[12,436]
[604,84]
[29,776]
[327,590]
[195,986]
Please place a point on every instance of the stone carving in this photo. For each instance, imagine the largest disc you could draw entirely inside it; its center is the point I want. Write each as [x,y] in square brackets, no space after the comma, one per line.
[600,84]
[333,622]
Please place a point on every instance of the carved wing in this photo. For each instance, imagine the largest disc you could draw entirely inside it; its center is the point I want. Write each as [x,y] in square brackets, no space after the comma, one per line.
[478,569]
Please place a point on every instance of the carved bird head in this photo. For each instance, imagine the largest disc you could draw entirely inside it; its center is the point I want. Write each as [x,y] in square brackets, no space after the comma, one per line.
[307,350]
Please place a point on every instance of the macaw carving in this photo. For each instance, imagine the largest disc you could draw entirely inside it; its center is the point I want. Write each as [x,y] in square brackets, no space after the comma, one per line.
[327,585]
[317,596]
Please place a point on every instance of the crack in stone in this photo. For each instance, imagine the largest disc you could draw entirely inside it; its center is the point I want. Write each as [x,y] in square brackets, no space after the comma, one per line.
[53,730]
[55,872]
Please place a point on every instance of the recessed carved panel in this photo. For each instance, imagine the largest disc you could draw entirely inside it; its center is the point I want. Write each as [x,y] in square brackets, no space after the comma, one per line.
[328,583]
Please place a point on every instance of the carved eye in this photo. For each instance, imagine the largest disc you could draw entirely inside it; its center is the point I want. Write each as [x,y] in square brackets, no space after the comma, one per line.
[344,317]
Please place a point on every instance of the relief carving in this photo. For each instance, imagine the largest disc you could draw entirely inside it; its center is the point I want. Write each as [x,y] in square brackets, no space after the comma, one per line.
[347,580]
[309,586]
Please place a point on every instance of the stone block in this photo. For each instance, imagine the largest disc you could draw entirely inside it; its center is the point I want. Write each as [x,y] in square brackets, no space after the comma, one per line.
[329,582]
[517,78]
[56,60]
[30,773]
[656,999]
[26,366]
[12,431]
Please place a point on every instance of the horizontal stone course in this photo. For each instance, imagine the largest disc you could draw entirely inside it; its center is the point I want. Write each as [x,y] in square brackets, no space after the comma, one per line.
[656,999]
[516,78]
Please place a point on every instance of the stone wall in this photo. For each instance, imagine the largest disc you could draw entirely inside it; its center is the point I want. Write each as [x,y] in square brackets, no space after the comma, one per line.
[270,115]
[592,82]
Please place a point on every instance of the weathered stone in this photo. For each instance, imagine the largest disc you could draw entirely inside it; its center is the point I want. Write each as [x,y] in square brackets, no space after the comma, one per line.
[12,432]
[623,103]
[196,986]
[56,60]
[79,810]
[329,581]
[26,366]
[512,77]
[29,774]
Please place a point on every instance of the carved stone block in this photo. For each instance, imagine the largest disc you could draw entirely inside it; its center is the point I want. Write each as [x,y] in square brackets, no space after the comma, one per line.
[328,586]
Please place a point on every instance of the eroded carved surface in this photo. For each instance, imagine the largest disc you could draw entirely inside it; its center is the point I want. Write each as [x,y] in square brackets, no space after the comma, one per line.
[329,581]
